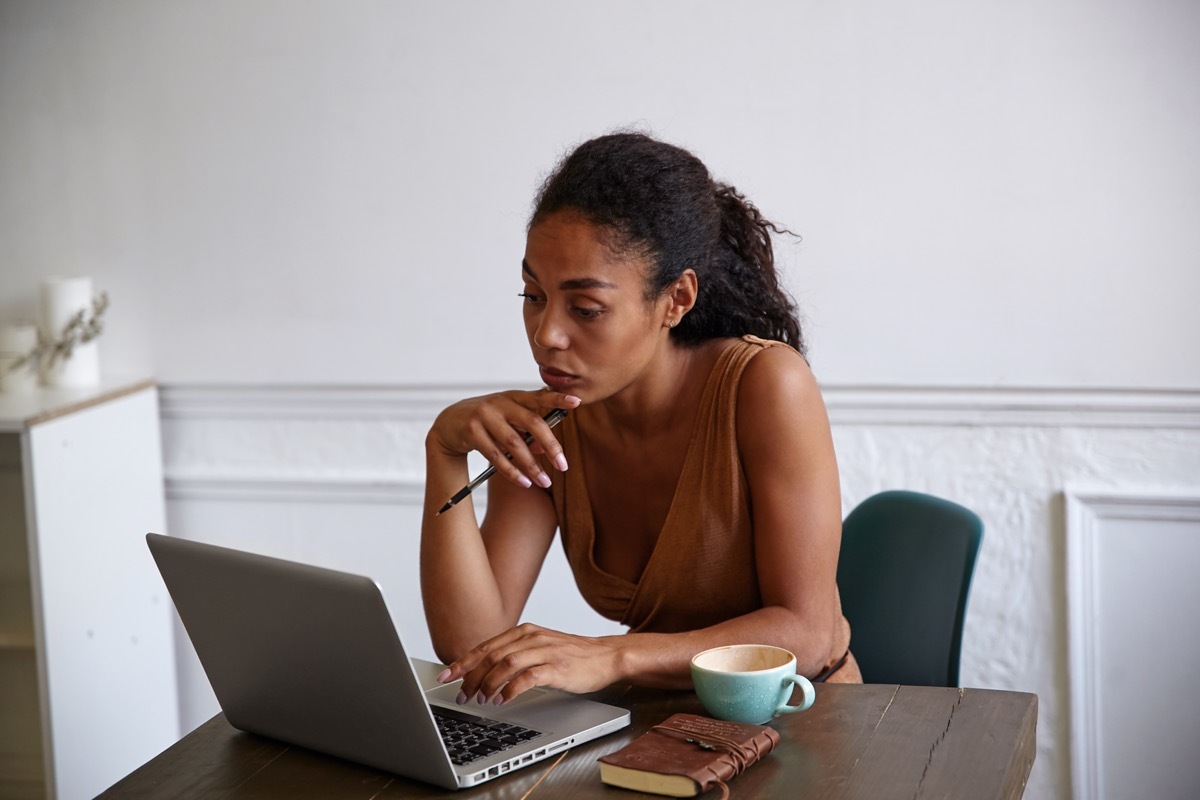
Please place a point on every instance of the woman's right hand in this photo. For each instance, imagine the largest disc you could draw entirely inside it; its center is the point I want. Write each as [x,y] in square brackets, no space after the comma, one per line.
[495,426]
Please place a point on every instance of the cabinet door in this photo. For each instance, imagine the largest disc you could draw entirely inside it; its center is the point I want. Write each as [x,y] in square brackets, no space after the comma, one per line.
[102,615]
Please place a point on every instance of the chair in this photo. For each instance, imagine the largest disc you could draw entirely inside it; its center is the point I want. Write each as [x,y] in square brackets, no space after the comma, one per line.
[904,574]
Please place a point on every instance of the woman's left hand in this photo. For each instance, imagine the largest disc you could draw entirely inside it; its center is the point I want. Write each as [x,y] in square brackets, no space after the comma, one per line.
[527,656]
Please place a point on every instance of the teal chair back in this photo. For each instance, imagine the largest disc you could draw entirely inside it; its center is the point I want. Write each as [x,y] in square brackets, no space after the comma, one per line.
[904,574]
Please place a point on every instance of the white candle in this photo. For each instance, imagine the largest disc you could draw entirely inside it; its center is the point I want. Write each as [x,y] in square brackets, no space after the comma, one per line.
[62,299]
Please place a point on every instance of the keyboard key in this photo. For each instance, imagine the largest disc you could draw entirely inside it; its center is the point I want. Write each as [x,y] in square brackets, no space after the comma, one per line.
[469,738]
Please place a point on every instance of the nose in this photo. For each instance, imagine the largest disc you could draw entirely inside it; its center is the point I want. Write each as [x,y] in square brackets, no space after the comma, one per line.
[548,331]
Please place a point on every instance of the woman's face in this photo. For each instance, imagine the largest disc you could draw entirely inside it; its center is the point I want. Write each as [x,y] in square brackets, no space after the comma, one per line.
[589,325]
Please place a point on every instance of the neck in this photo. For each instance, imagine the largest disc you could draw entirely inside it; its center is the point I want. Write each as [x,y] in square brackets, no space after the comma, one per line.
[652,406]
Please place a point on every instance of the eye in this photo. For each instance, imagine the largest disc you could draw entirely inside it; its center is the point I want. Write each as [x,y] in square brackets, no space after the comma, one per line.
[588,313]
[530,297]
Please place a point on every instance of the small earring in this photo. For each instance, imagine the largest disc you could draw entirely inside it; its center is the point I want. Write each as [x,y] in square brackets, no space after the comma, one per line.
[671,324]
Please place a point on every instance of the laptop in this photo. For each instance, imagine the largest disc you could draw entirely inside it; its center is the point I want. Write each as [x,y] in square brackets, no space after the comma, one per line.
[310,656]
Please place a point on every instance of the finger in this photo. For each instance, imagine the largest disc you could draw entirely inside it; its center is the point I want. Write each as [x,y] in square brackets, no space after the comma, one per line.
[496,661]
[490,432]
[514,432]
[545,442]
[547,400]
[468,663]
[529,678]
[510,450]
[516,672]
[536,436]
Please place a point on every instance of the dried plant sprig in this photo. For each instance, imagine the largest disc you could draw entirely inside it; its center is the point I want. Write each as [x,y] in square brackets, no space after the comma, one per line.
[79,330]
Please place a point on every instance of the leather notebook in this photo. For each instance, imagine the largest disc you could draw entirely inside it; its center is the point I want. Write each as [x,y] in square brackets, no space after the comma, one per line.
[686,755]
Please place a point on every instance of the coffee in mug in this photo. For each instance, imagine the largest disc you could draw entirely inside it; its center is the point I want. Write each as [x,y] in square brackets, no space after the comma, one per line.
[749,682]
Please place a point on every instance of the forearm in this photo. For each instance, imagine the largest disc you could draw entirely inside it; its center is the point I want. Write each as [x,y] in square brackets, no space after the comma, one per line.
[462,600]
[662,660]
[529,655]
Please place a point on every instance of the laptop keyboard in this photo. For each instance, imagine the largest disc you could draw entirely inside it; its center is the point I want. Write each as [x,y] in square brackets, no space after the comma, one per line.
[469,738]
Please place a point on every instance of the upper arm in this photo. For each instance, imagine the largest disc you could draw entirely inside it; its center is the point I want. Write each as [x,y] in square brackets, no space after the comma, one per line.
[787,454]
[517,531]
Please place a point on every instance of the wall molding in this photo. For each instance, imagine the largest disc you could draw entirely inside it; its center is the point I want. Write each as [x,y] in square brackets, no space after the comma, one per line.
[286,488]
[1003,407]
[1086,510]
[226,402]
[848,405]
[215,420]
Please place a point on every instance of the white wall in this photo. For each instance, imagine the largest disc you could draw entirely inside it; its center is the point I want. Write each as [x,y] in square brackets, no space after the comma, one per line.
[309,215]
[989,193]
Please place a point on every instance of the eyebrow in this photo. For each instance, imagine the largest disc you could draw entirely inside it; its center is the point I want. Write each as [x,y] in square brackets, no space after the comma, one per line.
[573,283]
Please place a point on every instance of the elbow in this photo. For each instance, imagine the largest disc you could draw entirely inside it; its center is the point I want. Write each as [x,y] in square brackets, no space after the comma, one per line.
[813,646]
[453,640]
[449,648]
[814,656]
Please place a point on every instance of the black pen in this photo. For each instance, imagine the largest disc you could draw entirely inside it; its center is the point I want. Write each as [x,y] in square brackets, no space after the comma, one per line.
[552,419]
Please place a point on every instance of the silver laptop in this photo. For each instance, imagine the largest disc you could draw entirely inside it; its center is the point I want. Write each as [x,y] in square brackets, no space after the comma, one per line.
[310,656]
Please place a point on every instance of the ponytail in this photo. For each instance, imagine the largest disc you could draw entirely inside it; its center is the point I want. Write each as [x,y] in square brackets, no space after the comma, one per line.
[743,293]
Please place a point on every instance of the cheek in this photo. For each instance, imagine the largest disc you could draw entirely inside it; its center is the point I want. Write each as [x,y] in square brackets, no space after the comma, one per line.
[621,349]
[529,318]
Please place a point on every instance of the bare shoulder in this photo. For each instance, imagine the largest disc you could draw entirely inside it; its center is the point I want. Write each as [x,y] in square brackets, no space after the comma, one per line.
[780,405]
[777,375]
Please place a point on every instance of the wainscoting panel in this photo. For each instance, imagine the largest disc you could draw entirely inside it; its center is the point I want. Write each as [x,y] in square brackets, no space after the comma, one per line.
[1133,594]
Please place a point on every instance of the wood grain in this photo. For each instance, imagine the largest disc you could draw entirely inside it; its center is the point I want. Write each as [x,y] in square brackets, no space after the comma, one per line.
[874,741]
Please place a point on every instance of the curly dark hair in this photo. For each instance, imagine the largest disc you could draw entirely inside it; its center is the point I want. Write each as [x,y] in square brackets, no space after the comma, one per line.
[659,202]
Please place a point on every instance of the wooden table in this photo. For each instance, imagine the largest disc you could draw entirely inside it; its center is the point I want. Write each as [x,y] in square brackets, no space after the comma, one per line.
[875,741]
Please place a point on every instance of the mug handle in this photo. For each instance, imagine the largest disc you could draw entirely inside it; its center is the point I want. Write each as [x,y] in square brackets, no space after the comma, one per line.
[806,687]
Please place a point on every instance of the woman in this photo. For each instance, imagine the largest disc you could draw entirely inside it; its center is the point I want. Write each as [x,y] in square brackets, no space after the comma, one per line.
[693,480]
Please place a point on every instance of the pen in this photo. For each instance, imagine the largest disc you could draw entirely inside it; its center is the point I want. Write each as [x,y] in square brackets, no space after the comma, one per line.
[552,419]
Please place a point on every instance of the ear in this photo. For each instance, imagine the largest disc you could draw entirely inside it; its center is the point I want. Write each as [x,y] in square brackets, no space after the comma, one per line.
[680,297]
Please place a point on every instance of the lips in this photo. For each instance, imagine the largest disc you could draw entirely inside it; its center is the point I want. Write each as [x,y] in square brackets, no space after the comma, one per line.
[556,379]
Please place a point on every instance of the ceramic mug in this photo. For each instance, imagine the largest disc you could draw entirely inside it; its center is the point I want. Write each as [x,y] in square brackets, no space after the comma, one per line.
[749,682]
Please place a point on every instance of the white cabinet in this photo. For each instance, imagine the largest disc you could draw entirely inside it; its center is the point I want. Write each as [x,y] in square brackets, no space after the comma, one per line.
[87,666]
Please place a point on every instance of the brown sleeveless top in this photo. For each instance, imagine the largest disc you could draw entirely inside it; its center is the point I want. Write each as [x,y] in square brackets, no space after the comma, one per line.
[702,569]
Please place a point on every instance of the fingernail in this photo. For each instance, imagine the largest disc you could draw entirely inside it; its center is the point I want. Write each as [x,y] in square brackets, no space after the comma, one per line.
[481,698]
[524,481]
[543,480]
[573,397]
[444,676]
[560,461]
[498,700]
[462,698]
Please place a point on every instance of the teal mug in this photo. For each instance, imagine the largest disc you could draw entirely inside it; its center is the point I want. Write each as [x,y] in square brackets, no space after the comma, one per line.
[749,682]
